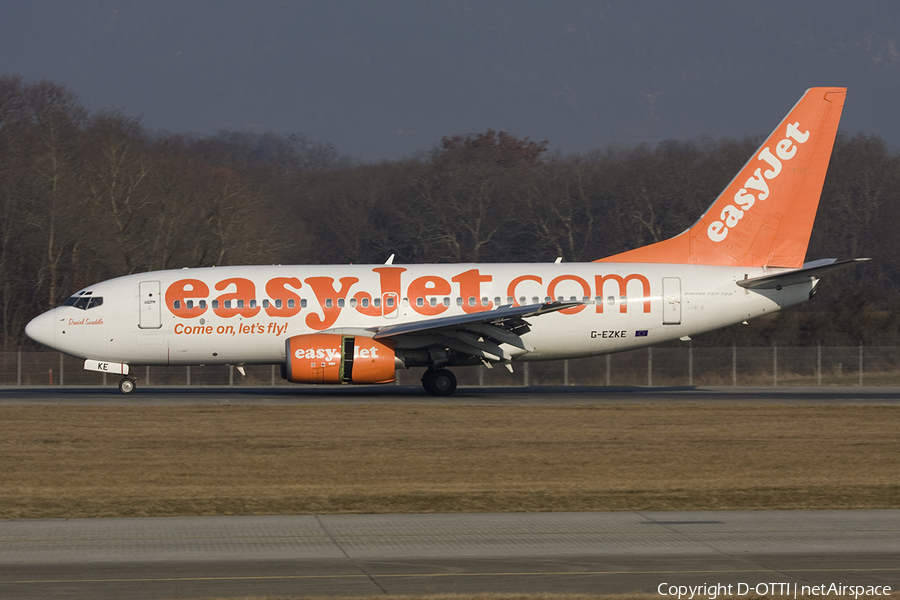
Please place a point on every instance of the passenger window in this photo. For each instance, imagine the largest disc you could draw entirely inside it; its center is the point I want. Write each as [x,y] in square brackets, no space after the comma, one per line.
[228,304]
[389,301]
[365,302]
[291,303]
[471,300]
[352,302]
[459,301]
[340,303]
[623,300]
[420,301]
[203,304]
[303,303]
[610,300]
[266,303]
[376,302]
[328,302]
[176,305]
[253,304]
[535,300]
[446,301]
[278,303]
[189,303]
[240,304]
[497,301]
[215,304]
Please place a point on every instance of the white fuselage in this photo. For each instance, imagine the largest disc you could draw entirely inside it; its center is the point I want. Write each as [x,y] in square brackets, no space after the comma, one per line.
[243,315]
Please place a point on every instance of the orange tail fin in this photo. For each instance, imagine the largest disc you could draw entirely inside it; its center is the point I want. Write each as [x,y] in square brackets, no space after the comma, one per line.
[765,215]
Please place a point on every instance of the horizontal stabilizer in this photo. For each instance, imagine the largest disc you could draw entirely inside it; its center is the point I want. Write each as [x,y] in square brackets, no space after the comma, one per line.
[812,270]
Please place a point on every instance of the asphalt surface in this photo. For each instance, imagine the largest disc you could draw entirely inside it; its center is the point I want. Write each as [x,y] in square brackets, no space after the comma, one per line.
[445,553]
[464,395]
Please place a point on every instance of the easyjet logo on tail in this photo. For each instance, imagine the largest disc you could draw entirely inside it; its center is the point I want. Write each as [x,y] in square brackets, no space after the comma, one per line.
[757,187]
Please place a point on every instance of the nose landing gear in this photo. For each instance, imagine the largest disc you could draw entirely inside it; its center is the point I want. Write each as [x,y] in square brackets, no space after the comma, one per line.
[127,385]
[439,382]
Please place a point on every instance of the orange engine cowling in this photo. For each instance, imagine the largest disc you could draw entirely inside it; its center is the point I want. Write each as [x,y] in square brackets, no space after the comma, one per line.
[335,358]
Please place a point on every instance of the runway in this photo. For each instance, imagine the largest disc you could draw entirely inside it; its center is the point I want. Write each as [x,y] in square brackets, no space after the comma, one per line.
[445,553]
[556,395]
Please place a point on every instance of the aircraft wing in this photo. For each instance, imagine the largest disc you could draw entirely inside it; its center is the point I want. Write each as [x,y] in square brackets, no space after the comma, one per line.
[477,334]
[812,270]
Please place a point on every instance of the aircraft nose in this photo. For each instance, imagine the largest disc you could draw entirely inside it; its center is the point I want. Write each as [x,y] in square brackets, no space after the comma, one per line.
[42,329]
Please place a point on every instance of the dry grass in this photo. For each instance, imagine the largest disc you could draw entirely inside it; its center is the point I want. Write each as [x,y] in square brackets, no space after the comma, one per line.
[68,461]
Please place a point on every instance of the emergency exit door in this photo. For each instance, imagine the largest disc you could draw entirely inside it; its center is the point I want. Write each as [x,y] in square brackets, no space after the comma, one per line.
[390,303]
[151,306]
[671,301]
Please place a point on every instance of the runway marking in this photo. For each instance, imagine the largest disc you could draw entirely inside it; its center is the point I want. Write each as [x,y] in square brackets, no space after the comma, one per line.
[427,575]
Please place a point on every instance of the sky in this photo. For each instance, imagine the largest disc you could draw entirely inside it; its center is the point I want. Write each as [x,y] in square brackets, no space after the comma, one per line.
[387,79]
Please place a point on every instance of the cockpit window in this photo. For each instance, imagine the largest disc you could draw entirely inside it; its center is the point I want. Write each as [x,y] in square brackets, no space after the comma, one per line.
[84,302]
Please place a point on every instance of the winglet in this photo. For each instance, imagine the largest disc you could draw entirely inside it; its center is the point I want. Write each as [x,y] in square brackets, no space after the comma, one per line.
[765,215]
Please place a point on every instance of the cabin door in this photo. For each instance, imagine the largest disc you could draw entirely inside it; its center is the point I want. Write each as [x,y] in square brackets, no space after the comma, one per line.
[671,301]
[151,306]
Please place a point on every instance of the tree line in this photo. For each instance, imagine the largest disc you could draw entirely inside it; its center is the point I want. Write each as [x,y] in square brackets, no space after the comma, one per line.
[90,195]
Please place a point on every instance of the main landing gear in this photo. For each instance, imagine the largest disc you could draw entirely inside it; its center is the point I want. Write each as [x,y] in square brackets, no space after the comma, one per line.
[127,385]
[439,382]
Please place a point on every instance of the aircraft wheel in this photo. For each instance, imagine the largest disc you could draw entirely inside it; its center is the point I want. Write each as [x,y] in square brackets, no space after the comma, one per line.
[443,383]
[428,382]
[127,385]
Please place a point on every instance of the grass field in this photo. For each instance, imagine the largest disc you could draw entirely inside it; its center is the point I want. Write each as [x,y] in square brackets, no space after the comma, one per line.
[77,461]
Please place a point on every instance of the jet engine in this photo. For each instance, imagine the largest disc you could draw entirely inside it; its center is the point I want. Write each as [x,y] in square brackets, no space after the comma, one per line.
[336,358]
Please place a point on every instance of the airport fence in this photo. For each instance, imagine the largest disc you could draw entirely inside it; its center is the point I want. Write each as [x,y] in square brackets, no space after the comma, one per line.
[654,366]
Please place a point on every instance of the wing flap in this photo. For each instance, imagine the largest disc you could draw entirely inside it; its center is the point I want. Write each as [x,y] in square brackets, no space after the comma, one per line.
[481,334]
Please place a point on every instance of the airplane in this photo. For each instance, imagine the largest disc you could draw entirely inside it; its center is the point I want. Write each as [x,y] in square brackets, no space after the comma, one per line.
[358,324]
